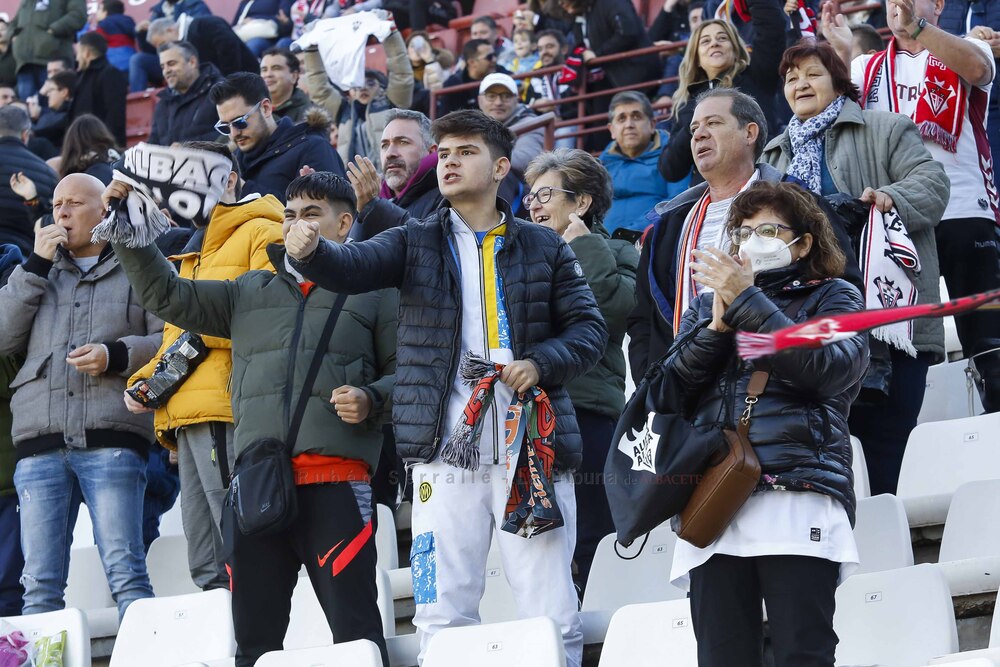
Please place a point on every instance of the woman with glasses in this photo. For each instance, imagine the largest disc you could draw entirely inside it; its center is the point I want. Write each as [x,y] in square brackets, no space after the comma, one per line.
[570,194]
[835,148]
[792,541]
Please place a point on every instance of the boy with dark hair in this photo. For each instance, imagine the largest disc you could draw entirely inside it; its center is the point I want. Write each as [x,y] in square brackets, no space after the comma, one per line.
[474,280]
[114,25]
[270,152]
[274,321]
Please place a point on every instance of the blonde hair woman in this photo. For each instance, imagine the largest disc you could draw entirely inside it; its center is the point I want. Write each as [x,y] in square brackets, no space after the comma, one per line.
[717,56]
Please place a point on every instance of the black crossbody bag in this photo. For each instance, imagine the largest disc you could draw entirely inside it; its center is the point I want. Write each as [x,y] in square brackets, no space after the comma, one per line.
[262,492]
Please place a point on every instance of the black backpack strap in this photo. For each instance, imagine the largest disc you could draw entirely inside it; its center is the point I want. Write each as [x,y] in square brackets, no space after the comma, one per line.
[321,346]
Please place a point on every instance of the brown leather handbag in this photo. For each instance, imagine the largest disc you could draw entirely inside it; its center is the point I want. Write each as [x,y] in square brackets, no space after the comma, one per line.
[726,484]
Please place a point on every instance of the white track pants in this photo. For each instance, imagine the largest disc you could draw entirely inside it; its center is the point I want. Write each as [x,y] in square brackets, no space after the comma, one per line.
[455,512]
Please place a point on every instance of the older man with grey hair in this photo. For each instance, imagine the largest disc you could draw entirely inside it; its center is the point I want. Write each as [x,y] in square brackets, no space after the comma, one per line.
[16,160]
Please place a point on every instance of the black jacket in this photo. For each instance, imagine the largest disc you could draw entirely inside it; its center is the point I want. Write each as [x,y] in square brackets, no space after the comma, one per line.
[798,427]
[270,168]
[16,223]
[554,319]
[463,99]
[759,80]
[52,124]
[218,44]
[188,116]
[613,26]
[101,90]
[650,325]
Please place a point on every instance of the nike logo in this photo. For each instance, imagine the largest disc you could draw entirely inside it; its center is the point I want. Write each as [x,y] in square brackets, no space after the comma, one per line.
[322,561]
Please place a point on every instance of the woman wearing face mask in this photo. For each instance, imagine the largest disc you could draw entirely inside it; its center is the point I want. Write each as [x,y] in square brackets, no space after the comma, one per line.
[834,147]
[717,56]
[792,542]
[570,194]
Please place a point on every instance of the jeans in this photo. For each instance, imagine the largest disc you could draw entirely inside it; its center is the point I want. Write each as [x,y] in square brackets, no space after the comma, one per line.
[29,80]
[50,487]
[144,71]
[259,45]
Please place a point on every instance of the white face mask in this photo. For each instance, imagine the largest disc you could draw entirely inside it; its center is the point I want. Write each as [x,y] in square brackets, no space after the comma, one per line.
[766,254]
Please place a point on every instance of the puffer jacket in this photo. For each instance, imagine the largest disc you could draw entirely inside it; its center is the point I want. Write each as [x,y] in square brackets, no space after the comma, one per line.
[268,169]
[274,330]
[398,94]
[609,267]
[41,35]
[553,317]
[528,145]
[883,150]
[798,426]
[49,308]
[234,242]
[188,116]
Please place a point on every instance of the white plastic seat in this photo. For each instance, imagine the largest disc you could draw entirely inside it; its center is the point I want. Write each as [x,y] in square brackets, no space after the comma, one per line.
[161,632]
[76,652]
[497,604]
[641,635]
[532,642]
[403,650]
[167,564]
[896,618]
[171,522]
[87,589]
[940,457]
[385,539]
[952,346]
[882,534]
[987,657]
[307,624]
[947,393]
[862,488]
[360,653]
[970,545]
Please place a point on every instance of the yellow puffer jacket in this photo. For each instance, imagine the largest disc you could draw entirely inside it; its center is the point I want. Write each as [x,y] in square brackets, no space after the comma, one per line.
[235,242]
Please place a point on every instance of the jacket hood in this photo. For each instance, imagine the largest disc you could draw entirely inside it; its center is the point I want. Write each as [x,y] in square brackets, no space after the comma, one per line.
[316,119]
[651,155]
[597,227]
[10,256]
[227,218]
[419,183]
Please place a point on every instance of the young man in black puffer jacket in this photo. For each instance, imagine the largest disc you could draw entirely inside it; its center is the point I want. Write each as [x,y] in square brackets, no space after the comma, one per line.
[473,278]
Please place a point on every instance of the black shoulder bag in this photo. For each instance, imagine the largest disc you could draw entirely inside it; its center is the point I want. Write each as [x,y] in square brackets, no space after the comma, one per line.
[262,492]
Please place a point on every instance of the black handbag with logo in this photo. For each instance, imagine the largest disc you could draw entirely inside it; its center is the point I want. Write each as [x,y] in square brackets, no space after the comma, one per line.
[262,492]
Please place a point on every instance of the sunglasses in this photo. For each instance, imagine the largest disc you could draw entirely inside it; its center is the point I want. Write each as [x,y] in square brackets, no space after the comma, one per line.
[489,57]
[543,195]
[240,123]
[768,230]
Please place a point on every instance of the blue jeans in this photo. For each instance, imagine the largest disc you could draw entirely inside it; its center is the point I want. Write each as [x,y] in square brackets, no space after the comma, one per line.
[50,487]
[259,45]
[144,71]
[29,80]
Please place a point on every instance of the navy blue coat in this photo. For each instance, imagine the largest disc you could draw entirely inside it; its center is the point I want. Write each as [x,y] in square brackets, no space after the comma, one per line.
[189,116]
[554,318]
[16,223]
[270,168]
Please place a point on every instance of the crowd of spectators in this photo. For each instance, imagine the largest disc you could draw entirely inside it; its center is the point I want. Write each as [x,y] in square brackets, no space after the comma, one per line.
[779,135]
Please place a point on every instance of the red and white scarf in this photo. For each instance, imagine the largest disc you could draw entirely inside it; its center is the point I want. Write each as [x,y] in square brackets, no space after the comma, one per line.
[943,96]
[888,261]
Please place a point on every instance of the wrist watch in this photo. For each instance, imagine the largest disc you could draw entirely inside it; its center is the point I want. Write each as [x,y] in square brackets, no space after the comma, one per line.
[921,24]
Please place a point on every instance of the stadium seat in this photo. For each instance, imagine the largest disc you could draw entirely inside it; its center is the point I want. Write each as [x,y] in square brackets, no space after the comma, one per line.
[970,545]
[940,457]
[494,8]
[446,39]
[948,394]
[532,642]
[170,521]
[952,346]
[641,635]
[161,632]
[862,488]
[139,116]
[87,590]
[360,653]
[992,652]
[992,660]
[497,604]
[76,652]
[403,650]
[615,582]
[882,534]
[385,539]
[167,564]
[896,618]
[307,625]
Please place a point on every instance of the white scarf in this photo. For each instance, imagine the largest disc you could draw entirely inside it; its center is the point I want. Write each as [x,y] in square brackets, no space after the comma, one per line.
[888,260]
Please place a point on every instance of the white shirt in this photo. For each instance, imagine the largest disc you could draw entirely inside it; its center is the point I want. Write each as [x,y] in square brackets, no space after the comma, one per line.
[713,227]
[969,196]
[778,523]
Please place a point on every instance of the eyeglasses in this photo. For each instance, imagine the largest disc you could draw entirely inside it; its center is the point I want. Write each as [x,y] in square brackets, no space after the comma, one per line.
[489,57]
[499,97]
[240,123]
[543,195]
[768,230]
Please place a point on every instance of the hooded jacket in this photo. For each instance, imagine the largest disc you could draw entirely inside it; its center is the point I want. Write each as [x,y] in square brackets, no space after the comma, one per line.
[187,116]
[798,427]
[48,308]
[268,169]
[234,242]
[397,94]
[274,329]
[46,34]
[553,318]
[639,187]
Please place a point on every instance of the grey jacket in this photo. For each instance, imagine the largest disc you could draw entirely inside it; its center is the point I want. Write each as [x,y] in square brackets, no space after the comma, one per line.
[528,145]
[47,311]
[884,151]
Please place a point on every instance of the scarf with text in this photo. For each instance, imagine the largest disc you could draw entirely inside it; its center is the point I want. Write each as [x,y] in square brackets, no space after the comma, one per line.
[940,107]
[888,261]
